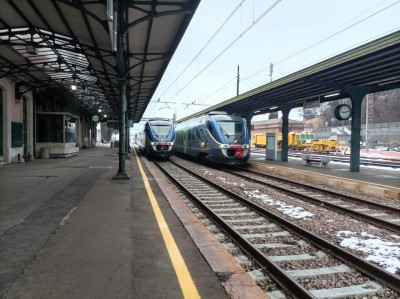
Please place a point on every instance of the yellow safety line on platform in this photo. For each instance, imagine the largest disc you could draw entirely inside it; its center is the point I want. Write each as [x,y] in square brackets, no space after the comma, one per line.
[185,279]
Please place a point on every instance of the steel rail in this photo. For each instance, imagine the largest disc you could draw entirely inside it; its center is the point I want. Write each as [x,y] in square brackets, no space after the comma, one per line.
[364,217]
[334,193]
[387,278]
[260,258]
[330,192]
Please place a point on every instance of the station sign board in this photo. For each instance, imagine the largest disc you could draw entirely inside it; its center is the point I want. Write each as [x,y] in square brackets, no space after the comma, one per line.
[113,124]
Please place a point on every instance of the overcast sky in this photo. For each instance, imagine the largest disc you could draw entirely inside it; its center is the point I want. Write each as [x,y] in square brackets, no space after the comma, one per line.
[292,35]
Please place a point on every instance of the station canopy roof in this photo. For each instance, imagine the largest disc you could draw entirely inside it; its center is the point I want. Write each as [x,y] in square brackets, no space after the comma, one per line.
[372,67]
[46,44]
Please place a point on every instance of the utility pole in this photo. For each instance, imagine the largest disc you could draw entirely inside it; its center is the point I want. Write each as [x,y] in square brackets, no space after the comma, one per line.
[237,83]
[271,70]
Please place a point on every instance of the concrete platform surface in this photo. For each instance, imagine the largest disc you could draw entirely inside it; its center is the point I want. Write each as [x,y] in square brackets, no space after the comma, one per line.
[68,230]
[376,181]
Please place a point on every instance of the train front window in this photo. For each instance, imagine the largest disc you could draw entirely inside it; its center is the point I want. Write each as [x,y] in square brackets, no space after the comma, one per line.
[233,131]
[161,131]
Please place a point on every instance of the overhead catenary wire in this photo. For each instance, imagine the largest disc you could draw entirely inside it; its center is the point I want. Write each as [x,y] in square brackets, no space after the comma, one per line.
[319,41]
[314,43]
[336,33]
[230,45]
[206,44]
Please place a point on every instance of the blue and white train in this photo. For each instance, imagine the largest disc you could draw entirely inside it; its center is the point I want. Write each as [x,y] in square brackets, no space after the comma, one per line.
[156,138]
[216,137]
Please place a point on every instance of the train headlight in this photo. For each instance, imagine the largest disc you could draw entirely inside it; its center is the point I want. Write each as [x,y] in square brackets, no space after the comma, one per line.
[224,146]
[245,146]
[170,143]
[154,143]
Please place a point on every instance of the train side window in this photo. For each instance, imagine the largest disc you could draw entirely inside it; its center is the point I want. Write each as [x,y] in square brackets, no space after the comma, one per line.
[191,134]
[200,135]
[209,127]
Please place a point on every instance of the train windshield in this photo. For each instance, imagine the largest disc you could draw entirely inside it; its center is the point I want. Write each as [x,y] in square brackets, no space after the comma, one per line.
[161,131]
[233,131]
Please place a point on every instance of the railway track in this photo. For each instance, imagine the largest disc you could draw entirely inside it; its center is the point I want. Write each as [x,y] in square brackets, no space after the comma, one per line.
[381,162]
[297,260]
[381,215]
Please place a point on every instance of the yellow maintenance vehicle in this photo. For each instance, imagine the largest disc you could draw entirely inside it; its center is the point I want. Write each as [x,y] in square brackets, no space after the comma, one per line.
[301,141]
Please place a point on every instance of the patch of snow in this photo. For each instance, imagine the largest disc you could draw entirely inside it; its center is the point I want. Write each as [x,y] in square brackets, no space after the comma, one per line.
[385,254]
[290,210]
[226,182]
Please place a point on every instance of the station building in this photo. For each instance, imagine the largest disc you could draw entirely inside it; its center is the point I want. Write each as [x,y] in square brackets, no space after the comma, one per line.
[40,124]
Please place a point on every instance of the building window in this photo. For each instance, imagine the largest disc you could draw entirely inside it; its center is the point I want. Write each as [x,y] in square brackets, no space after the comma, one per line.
[70,129]
[49,128]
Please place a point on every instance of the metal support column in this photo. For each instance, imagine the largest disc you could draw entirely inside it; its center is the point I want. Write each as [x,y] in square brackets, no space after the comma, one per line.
[356,100]
[285,133]
[248,124]
[121,174]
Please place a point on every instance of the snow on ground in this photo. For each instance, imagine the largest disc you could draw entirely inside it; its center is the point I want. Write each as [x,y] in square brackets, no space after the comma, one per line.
[290,210]
[384,253]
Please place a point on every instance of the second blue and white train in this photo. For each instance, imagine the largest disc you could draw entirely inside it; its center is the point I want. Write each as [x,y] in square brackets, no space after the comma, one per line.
[156,138]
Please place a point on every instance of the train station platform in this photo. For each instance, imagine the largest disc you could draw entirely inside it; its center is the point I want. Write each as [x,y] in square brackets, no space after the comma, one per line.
[68,230]
[376,181]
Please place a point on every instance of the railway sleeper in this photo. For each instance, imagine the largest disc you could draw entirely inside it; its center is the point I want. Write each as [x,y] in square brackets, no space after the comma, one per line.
[298,257]
[259,219]
[300,243]
[225,204]
[365,289]
[261,226]
[230,209]
[213,199]
[268,235]
[319,271]
[243,260]
[246,214]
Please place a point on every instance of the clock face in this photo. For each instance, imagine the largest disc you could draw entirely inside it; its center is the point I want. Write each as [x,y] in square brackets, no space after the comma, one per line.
[343,112]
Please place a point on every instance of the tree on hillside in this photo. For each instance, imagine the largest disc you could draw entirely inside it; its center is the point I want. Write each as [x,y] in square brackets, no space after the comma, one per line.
[383,107]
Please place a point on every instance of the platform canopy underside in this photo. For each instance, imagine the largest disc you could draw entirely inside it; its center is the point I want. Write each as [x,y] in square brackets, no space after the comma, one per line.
[54,44]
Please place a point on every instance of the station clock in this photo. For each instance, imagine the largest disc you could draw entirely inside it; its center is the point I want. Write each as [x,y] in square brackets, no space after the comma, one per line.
[343,112]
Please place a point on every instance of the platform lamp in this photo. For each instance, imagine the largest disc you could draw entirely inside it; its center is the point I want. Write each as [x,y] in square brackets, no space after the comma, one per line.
[31,47]
[73,86]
